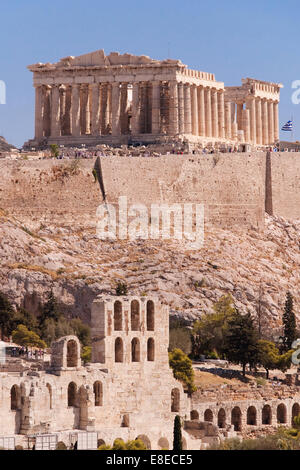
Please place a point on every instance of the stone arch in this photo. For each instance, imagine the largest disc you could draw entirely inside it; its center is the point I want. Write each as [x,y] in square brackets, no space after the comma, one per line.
[281,414]
[266,415]
[49,388]
[194,415]
[221,418]
[208,416]
[98,392]
[118,316]
[150,350]
[236,418]
[150,315]
[175,400]
[295,412]
[135,350]
[119,350]
[72,353]
[145,440]
[163,443]
[252,416]
[15,398]
[72,394]
[135,315]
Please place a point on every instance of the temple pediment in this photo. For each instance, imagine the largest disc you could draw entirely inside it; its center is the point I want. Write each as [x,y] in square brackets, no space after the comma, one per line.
[99,59]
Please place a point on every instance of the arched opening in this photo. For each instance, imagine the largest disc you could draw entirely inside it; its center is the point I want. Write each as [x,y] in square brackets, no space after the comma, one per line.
[49,396]
[118,316]
[98,392]
[72,353]
[135,350]
[135,315]
[150,315]
[145,440]
[163,443]
[236,418]
[175,400]
[72,392]
[100,443]
[194,415]
[221,418]
[266,415]
[150,349]
[281,414]
[251,416]
[15,398]
[118,350]
[208,416]
[295,412]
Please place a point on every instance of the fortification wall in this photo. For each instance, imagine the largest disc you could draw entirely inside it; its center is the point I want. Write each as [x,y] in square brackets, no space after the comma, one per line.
[285,174]
[234,188]
[231,187]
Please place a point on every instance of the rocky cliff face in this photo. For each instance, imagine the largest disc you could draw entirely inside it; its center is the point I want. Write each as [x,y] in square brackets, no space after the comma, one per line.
[249,264]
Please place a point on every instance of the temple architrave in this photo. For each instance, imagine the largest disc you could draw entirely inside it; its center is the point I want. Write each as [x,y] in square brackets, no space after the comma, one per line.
[120,99]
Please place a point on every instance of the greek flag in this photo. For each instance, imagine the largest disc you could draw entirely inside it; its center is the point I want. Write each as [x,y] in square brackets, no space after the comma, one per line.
[288,126]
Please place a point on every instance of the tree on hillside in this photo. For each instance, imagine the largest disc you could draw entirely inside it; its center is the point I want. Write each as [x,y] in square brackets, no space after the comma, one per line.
[208,332]
[289,323]
[182,368]
[241,341]
[177,441]
[7,314]
[24,337]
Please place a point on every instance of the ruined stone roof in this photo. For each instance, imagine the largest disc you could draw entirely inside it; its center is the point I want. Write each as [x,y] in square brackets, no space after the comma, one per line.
[99,59]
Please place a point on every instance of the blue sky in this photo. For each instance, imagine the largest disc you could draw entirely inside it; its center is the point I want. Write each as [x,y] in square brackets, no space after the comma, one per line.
[231,38]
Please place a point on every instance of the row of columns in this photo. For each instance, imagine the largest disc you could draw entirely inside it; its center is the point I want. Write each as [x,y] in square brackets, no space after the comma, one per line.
[258,120]
[101,109]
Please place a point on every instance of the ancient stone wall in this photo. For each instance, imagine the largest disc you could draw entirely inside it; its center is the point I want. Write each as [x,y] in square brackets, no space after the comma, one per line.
[234,188]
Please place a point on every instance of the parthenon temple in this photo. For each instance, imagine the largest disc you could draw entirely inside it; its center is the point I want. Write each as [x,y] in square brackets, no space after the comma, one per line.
[120,99]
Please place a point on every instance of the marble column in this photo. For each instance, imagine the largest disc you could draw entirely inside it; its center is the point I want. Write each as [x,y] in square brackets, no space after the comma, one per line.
[221,114]
[95,118]
[47,111]
[124,109]
[208,117]
[180,108]
[68,105]
[62,100]
[187,109]
[173,108]
[75,110]
[115,105]
[258,122]
[250,105]
[201,106]
[214,109]
[246,124]
[55,111]
[265,124]
[135,119]
[239,115]
[276,121]
[39,112]
[194,97]
[156,107]
[104,109]
[271,122]
[234,131]
[84,109]
[228,120]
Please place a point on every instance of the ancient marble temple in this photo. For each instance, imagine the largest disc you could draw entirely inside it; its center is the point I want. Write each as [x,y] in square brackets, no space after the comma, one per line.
[119,99]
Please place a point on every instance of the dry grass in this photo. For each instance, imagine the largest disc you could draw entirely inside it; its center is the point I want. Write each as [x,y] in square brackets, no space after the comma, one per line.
[34,268]
[204,379]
